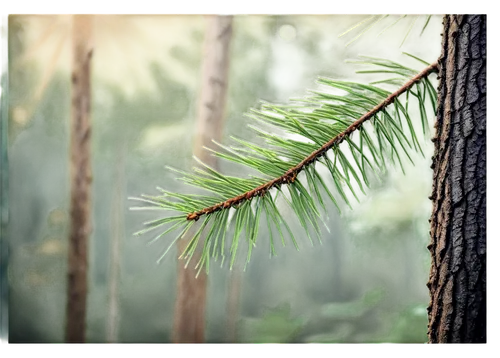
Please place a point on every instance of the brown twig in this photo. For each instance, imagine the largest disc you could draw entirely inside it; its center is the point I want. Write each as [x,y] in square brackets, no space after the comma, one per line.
[290,175]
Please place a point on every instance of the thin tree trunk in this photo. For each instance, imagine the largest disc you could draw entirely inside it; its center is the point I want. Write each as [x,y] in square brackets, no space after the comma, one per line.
[457,284]
[189,317]
[80,226]
[115,246]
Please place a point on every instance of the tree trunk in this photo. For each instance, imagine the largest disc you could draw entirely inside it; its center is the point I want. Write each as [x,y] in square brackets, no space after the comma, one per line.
[189,319]
[80,176]
[115,254]
[457,284]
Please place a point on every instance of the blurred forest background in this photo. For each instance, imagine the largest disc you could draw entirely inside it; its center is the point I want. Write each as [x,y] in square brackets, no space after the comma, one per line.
[366,282]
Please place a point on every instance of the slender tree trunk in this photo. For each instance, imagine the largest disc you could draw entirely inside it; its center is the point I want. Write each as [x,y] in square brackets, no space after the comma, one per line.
[189,318]
[457,284]
[80,226]
[116,215]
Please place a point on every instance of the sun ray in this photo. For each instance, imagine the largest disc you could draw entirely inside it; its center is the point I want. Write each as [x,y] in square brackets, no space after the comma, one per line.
[51,36]
[48,71]
[39,43]
[120,35]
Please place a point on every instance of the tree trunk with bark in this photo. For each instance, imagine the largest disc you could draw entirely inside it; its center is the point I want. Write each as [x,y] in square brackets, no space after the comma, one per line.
[80,176]
[189,317]
[457,284]
[116,247]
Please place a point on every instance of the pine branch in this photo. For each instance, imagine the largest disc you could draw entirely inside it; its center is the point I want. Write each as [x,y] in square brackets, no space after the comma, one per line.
[323,120]
[290,175]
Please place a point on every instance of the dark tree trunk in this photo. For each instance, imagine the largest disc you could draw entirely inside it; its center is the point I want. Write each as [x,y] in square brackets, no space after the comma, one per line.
[80,226]
[189,318]
[457,284]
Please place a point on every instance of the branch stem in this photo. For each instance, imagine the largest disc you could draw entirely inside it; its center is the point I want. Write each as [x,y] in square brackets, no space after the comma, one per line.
[290,175]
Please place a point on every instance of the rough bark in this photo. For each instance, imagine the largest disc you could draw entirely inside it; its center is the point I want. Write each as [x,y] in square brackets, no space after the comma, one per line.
[189,317]
[80,176]
[115,254]
[457,284]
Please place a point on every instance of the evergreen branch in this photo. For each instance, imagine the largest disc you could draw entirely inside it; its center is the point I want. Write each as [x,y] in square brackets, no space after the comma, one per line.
[323,121]
[290,175]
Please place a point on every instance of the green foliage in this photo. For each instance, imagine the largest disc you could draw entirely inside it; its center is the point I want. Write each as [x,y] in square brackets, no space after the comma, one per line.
[276,326]
[406,326]
[310,136]
[410,325]
[352,309]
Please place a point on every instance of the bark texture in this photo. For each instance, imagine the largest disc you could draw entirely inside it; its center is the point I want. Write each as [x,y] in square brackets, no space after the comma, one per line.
[457,284]
[189,317]
[80,176]
[116,247]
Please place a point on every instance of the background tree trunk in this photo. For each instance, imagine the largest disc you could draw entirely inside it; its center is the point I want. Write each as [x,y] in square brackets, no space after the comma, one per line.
[80,226]
[189,317]
[115,253]
[457,284]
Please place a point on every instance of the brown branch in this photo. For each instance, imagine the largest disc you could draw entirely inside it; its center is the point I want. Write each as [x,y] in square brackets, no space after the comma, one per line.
[290,175]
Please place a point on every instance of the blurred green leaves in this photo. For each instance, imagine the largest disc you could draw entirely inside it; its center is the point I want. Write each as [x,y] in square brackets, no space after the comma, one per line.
[348,322]
[276,326]
[410,325]
[352,309]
